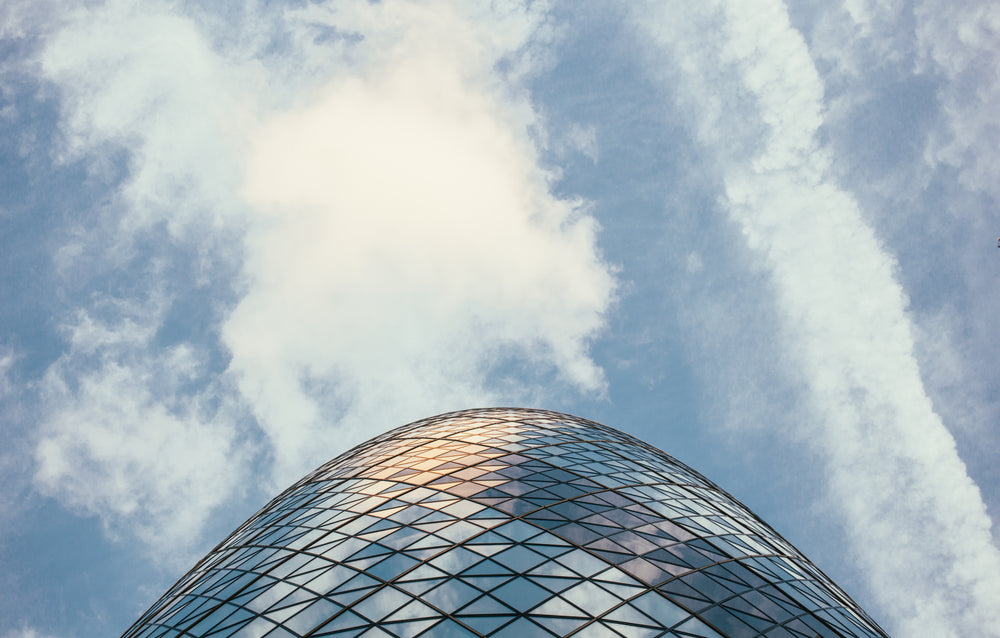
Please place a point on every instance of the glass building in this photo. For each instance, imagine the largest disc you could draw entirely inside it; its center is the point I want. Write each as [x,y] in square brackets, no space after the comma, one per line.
[504,522]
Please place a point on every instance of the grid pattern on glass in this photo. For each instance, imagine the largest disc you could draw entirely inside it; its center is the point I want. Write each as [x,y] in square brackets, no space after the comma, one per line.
[504,522]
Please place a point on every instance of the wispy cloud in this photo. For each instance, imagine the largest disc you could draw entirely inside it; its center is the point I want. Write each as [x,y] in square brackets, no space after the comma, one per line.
[912,512]
[912,84]
[132,425]
[962,43]
[171,102]
[12,464]
[26,632]
[143,441]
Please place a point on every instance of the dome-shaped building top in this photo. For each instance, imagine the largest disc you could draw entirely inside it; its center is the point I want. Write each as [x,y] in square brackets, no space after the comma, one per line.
[504,522]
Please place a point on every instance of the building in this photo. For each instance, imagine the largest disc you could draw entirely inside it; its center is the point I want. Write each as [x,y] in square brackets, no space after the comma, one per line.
[504,522]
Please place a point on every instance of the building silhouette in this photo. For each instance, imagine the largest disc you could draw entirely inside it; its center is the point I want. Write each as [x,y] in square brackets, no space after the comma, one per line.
[504,522]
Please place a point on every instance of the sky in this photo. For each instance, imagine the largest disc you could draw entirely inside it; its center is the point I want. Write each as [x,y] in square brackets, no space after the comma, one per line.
[238,238]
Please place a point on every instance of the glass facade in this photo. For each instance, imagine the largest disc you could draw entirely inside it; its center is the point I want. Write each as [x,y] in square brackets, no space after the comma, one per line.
[504,522]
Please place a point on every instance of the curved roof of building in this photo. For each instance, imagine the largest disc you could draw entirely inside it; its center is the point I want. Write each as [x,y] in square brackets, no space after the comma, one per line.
[511,522]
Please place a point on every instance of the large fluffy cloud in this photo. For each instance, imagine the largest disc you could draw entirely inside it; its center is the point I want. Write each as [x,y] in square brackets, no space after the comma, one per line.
[408,245]
[913,514]
[372,179]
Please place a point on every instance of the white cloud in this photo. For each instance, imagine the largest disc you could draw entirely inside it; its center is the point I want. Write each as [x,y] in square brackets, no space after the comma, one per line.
[401,246]
[21,19]
[955,45]
[26,632]
[583,140]
[936,203]
[12,463]
[123,437]
[6,365]
[409,244]
[914,515]
[142,434]
[961,42]
[145,80]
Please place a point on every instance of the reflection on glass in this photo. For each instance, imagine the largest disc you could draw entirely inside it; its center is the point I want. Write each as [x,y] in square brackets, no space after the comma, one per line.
[487,522]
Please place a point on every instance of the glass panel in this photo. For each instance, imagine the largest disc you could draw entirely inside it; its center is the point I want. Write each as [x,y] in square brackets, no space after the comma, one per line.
[451,595]
[521,594]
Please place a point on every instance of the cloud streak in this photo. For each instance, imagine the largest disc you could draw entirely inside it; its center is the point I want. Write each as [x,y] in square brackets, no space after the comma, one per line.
[913,514]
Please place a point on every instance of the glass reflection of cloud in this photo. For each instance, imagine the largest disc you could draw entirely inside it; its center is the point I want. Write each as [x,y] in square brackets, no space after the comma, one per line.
[504,522]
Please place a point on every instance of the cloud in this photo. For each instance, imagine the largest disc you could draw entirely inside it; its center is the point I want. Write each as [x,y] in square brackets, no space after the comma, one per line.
[584,140]
[22,20]
[955,46]
[408,245]
[6,365]
[126,437]
[12,464]
[360,193]
[135,428]
[26,632]
[932,64]
[961,43]
[913,514]
[146,81]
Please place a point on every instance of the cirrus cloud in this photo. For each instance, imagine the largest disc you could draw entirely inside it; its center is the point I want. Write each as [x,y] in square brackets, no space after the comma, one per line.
[892,465]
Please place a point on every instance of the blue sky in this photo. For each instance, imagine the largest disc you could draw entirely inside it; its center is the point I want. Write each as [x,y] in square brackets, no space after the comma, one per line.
[238,240]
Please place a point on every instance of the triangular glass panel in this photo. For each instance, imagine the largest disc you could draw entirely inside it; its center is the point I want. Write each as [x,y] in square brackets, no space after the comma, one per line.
[485,625]
[553,584]
[312,615]
[660,609]
[559,626]
[487,550]
[423,572]
[520,559]
[381,603]
[589,597]
[521,594]
[520,628]
[484,583]
[410,628]
[346,620]
[486,567]
[631,615]
[597,629]
[518,531]
[413,610]
[347,597]
[485,605]
[452,595]
[695,627]
[558,607]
